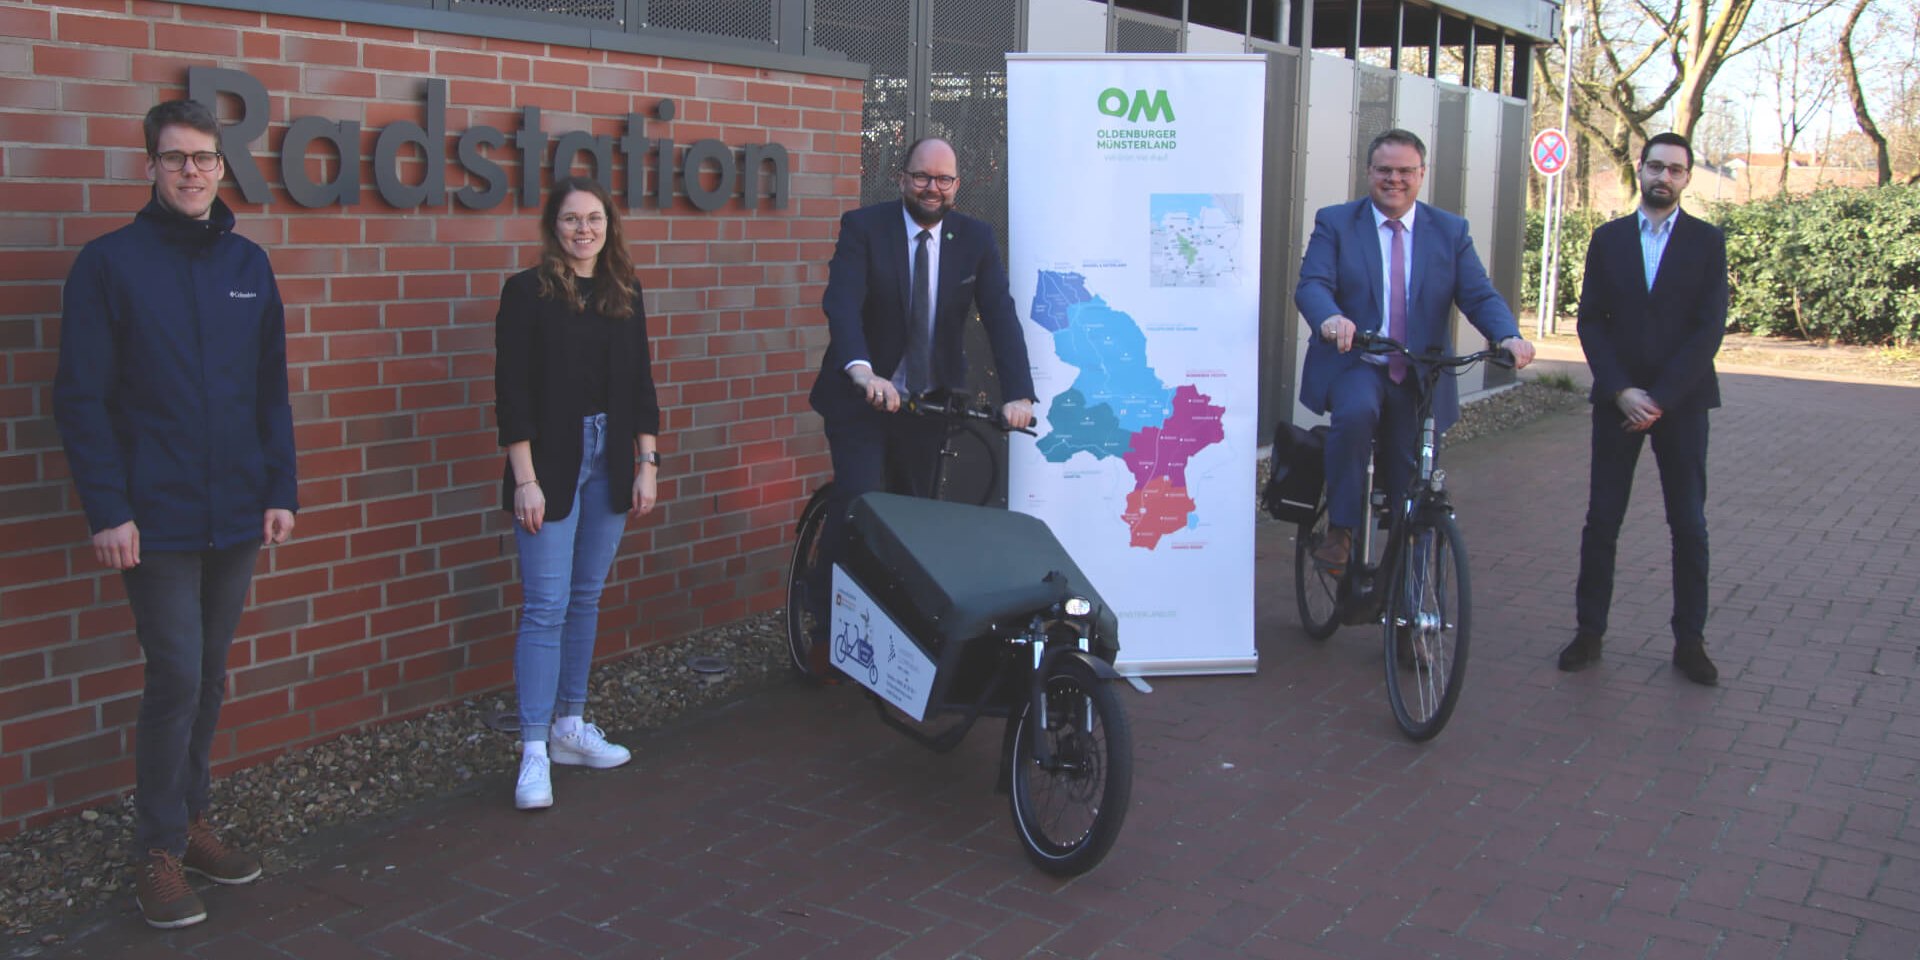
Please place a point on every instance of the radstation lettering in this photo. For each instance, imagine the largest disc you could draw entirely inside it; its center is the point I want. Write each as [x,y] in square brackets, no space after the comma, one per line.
[733,171]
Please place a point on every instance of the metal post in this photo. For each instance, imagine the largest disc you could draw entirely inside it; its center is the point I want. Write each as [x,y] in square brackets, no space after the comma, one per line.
[1549,310]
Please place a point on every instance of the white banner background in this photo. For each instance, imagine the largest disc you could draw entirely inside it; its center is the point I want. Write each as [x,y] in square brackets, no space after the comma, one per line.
[1135,262]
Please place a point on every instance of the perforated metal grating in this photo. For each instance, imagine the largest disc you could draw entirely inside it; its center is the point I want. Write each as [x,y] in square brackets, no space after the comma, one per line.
[878,33]
[1132,34]
[602,11]
[1372,116]
[741,19]
[967,99]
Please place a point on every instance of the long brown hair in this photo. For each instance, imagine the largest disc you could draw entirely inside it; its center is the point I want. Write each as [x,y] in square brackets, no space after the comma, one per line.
[615,291]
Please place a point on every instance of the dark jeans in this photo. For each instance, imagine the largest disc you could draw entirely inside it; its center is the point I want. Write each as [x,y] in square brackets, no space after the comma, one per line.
[1680,450]
[186,606]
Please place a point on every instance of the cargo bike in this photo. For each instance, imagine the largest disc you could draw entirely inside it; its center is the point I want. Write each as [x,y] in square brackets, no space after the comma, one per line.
[950,612]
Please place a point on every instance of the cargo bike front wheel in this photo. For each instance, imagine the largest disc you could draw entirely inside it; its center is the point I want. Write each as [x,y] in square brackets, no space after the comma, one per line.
[1069,803]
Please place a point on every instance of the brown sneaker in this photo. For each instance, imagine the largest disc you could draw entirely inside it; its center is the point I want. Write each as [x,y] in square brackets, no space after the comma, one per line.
[166,901]
[216,861]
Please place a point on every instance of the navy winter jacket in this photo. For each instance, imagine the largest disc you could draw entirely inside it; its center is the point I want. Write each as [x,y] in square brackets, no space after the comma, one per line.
[172,390]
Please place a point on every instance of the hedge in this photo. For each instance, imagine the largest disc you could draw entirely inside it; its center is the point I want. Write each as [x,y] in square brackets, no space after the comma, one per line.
[1575,230]
[1841,264]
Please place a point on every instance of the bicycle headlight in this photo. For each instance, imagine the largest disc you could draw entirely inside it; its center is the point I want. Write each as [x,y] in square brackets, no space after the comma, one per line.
[1077,607]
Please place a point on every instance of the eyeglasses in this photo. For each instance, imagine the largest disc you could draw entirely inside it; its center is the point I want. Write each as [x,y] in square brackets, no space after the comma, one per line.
[593,221]
[174,161]
[1404,173]
[921,181]
[1658,169]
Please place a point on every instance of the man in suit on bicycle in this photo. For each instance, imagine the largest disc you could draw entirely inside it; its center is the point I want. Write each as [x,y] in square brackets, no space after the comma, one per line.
[1653,309]
[1388,264]
[903,279]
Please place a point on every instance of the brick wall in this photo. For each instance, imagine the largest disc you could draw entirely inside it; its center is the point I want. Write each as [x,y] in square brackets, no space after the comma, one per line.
[399,589]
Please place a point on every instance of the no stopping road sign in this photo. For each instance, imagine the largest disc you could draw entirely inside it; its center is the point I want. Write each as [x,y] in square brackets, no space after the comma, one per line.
[1550,152]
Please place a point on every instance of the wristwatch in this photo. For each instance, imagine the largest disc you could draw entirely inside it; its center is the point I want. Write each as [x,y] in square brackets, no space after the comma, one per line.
[650,456]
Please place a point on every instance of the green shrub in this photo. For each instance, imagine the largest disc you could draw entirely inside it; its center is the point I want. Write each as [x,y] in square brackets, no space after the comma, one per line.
[1575,230]
[1841,264]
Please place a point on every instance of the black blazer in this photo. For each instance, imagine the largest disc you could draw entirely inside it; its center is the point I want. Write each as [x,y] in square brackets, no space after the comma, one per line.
[1661,340]
[868,284]
[535,397]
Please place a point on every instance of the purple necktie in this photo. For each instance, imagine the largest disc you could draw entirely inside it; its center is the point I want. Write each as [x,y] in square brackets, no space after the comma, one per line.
[1397,299]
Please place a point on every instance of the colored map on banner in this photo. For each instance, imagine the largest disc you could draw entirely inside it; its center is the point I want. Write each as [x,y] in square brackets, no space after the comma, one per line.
[1196,239]
[1119,407]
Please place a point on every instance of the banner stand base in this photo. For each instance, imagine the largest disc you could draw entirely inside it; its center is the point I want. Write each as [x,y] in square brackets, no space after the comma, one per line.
[1187,668]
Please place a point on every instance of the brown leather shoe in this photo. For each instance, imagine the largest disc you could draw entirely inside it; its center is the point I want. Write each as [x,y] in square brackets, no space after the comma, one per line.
[216,861]
[166,900]
[1582,653]
[1334,552]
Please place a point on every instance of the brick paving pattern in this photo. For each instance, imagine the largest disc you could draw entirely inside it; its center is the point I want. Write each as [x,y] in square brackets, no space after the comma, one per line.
[1619,812]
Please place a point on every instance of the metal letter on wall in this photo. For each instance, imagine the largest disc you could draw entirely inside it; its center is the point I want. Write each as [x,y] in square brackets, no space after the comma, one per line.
[206,84]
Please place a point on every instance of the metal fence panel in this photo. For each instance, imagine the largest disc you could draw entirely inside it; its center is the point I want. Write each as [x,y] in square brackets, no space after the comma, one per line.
[595,11]
[740,19]
[1447,150]
[1372,116]
[1141,33]
[881,34]
[967,104]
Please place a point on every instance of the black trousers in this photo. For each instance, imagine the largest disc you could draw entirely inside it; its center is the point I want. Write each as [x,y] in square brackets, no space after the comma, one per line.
[874,451]
[1680,450]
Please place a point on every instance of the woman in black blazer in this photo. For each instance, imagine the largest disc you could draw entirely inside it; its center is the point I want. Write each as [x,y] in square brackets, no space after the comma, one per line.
[574,398]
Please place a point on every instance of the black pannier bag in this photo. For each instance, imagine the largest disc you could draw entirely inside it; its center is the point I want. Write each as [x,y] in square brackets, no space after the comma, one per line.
[1298,473]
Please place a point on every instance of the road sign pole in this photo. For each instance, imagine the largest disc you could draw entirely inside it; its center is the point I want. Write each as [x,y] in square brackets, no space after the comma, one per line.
[1550,153]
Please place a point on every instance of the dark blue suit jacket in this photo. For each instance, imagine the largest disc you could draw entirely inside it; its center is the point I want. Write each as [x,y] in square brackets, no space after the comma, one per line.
[868,284]
[1663,340]
[1342,274]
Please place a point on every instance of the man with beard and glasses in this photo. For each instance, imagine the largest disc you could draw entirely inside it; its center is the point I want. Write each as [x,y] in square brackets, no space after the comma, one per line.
[1653,308]
[903,279]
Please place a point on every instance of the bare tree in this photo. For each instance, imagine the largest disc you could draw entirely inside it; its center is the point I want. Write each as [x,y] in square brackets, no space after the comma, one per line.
[1803,80]
[1651,62]
[1883,159]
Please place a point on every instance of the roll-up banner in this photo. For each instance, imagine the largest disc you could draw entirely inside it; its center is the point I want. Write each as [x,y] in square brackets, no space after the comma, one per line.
[1134,251]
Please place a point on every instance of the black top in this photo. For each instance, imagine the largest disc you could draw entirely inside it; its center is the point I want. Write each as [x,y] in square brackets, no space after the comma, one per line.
[588,343]
[537,397]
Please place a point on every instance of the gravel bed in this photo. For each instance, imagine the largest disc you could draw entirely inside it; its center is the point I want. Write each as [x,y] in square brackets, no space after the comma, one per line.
[80,863]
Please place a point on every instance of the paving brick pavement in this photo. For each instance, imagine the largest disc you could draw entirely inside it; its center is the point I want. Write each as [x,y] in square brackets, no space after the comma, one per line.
[1619,812]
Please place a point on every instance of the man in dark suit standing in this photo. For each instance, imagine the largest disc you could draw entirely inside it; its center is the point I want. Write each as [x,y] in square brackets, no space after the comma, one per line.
[903,279]
[1653,308]
[1389,264]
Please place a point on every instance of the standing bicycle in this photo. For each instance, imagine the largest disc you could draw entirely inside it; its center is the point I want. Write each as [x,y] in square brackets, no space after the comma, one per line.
[1418,590]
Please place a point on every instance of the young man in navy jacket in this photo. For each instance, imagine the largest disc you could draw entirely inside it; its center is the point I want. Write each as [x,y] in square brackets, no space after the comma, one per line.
[172,403]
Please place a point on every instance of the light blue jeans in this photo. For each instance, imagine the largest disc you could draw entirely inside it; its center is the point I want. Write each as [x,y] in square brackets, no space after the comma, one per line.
[562,571]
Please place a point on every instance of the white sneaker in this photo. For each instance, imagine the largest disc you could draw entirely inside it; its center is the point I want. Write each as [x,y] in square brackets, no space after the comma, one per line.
[587,747]
[535,789]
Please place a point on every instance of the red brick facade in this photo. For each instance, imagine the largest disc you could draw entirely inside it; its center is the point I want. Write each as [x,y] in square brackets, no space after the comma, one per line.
[398,591]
